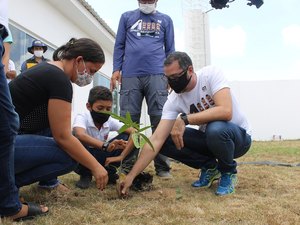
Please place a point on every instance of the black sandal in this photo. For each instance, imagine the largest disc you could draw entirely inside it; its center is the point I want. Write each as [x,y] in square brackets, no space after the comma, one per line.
[34,210]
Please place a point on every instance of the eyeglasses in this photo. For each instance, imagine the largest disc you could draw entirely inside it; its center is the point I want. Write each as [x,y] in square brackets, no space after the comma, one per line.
[176,76]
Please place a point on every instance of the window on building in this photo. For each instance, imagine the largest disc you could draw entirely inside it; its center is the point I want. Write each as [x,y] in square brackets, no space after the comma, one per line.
[101,79]
[21,41]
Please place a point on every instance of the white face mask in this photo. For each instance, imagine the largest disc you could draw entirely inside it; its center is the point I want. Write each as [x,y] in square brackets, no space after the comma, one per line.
[83,78]
[38,53]
[147,8]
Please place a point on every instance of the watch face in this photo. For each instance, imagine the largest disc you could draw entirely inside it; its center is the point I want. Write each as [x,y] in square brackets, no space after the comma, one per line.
[183,116]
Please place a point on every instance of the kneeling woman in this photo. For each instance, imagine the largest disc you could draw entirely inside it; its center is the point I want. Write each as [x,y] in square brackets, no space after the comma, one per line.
[42,96]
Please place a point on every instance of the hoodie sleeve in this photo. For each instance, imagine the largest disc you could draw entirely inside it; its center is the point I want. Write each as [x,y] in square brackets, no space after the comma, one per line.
[169,37]
[119,49]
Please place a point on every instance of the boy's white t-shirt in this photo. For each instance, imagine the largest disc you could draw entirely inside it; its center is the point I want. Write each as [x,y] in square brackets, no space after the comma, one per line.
[85,121]
[210,80]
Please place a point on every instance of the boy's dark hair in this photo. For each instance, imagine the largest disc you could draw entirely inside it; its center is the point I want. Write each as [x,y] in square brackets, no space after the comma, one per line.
[85,47]
[99,93]
[183,59]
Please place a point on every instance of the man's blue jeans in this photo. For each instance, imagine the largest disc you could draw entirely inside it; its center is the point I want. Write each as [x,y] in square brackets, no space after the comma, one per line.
[154,89]
[221,143]
[39,158]
[9,124]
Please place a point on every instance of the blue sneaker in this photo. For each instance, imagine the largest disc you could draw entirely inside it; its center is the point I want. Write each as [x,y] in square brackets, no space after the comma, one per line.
[207,178]
[227,184]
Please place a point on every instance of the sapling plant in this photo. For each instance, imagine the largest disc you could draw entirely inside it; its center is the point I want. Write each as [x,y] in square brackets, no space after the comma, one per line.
[139,139]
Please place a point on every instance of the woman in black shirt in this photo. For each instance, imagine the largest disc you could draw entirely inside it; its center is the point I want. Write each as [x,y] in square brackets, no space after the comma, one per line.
[42,96]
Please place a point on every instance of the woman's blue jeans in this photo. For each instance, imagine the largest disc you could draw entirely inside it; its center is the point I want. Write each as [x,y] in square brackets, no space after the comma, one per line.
[39,158]
[221,143]
[9,124]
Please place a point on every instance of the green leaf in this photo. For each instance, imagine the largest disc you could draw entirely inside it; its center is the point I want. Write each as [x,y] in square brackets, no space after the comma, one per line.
[144,128]
[142,140]
[135,138]
[128,118]
[178,194]
[123,128]
[115,116]
[147,140]
[138,138]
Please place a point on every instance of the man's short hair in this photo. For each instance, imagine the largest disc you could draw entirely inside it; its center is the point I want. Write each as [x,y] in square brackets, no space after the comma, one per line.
[183,59]
[99,93]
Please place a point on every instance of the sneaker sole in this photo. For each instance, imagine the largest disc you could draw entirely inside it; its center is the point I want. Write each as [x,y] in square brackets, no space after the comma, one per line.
[207,186]
[217,177]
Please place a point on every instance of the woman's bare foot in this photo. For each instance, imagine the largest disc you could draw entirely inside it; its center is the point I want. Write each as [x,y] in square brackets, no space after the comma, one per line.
[62,188]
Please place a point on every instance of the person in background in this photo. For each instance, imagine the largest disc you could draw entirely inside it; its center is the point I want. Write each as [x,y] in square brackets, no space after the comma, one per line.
[92,128]
[38,49]
[7,42]
[45,147]
[223,135]
[11,71]
[9,65]
[144,38]
[10,204]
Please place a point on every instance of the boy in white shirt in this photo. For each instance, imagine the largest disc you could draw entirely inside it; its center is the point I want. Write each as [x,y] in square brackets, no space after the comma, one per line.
[92,129]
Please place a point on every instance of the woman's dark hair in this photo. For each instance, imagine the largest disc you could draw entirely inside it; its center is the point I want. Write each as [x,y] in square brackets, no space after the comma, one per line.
[85,47]
[183,59]
[99,93]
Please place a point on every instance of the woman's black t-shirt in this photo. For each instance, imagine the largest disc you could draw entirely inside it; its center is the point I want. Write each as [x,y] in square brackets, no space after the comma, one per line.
[31,91]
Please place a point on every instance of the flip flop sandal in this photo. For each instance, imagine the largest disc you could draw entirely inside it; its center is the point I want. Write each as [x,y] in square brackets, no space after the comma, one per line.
[34,210]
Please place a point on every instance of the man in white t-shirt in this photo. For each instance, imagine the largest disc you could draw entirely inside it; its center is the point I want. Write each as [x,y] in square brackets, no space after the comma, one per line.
[92,128]
[203,99]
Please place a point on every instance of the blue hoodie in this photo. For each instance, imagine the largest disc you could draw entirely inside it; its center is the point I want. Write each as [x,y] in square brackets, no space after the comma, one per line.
[143,42]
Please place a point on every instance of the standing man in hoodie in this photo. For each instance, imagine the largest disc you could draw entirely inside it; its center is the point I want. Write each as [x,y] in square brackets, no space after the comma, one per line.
[145,37]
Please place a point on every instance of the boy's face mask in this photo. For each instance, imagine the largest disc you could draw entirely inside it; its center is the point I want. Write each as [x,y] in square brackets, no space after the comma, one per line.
[99,117]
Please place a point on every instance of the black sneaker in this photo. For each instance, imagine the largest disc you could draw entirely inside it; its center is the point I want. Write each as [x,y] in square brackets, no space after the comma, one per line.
[142,182]
[84,182]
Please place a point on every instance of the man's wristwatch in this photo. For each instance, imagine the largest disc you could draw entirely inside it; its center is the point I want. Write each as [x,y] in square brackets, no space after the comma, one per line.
[183,116]
[105,146]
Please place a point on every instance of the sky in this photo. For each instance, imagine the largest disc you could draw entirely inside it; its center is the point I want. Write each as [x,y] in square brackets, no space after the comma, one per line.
[246,42]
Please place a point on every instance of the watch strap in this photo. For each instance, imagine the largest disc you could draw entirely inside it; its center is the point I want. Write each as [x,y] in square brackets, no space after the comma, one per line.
[183,116]
[105,146]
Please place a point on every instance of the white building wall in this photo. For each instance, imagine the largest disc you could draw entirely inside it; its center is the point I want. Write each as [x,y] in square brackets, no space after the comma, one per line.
[55,22]
[272,107]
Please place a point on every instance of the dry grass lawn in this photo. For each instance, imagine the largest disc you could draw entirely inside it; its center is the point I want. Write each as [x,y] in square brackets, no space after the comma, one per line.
[264,195]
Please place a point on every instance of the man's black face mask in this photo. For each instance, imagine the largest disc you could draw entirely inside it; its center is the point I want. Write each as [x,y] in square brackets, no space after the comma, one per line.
[179,83]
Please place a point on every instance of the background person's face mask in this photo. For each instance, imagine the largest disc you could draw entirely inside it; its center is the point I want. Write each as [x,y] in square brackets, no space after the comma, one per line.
[147,8]
[38,53]
[83,78]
